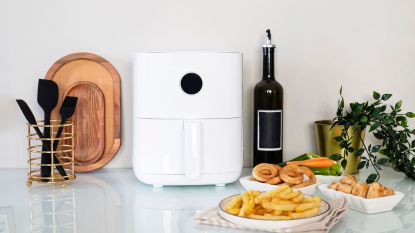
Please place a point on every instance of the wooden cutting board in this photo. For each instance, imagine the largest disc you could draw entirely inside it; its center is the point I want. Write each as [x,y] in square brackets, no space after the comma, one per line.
[97,118]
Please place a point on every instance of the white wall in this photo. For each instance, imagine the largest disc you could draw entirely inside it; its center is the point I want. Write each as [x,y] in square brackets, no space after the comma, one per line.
[322,44]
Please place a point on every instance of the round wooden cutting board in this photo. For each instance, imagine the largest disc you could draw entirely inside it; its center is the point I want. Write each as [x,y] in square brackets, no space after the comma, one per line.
[97,117]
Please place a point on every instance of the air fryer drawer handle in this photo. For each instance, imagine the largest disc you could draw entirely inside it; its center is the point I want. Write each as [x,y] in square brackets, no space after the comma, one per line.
[192,148]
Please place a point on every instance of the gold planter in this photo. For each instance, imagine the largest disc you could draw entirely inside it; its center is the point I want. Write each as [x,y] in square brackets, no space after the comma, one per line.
[327,145]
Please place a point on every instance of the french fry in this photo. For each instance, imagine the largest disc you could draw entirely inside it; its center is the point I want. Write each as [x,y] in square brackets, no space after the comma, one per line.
[286,191]
[258,209]
[279,204]
[298,198]
[247,206]
[277,212]
[278,190]
[270,194]
[306,206]
[269,217]
[245,201]
[235,203]
[268,205]
[254,193]
[245,198]
[281,207]
[283,202]
[312,199]
[242,210]
[289,196]
[233,211]
[250,207]
[305,214]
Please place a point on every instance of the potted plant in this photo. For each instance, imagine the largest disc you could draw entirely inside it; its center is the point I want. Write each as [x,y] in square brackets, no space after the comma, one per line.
[388,124]
[327,145]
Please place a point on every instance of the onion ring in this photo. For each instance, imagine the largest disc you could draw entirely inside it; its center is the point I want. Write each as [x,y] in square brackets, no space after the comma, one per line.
[275,180]
[311,177]
[291,174]
[289,185]
[265,171]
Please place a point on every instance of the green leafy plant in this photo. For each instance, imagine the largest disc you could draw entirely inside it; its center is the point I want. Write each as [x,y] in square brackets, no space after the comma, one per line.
[388,124]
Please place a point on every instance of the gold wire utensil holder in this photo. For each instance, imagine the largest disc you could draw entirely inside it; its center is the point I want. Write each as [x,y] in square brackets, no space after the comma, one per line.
[64,153]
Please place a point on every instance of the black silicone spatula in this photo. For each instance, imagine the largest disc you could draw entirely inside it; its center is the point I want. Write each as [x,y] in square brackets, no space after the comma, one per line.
[47,98]
[32,120]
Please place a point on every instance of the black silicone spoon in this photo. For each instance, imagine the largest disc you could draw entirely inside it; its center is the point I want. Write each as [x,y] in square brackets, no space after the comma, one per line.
[66,111]
[47,98]
[32,120]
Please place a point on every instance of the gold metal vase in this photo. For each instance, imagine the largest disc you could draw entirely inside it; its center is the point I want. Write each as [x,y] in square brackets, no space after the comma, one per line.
[327,145]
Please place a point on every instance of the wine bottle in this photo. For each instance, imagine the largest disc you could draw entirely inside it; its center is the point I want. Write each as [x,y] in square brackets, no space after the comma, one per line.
[268,114]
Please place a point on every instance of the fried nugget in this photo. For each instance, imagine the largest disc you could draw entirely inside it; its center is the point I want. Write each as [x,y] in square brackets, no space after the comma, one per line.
[389,192]
[375,190]
[334,185]
[348,180]
[345,188]
[360,189]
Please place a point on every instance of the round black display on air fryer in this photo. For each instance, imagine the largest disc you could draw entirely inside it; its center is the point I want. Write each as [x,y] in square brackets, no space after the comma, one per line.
[191,83]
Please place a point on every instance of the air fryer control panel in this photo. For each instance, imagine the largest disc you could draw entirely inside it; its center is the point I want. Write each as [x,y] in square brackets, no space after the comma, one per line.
[187,85]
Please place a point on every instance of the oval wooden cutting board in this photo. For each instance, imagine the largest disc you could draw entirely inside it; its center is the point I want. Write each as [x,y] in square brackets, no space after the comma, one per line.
[97,117]
[90,120]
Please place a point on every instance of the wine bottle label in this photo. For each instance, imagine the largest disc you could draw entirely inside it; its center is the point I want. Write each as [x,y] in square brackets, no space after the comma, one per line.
[269,130]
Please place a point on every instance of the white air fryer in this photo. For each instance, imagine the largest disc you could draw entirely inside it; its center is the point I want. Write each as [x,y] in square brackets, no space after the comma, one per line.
[187,118]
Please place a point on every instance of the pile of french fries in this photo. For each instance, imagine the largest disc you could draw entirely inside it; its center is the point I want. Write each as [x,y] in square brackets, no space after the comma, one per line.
[282,203]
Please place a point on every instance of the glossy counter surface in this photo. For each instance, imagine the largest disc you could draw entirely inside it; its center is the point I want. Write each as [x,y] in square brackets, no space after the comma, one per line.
[113,200]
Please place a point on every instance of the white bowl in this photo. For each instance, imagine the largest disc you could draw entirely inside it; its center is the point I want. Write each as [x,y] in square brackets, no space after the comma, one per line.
[249,184]
[261,224]
[368,206]
[328,179]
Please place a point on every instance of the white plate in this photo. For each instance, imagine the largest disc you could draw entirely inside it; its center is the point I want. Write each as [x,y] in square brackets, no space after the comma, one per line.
[269,224]
[328,179]
[264,187]
[368,206]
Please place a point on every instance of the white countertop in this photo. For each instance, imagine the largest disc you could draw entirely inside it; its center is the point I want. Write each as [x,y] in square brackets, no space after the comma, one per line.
[113,200]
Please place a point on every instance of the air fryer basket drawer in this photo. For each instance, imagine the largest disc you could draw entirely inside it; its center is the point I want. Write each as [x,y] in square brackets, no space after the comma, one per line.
[188,147]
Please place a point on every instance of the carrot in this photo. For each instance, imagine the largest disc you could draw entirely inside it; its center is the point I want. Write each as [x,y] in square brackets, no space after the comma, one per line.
[328,163]
[318,162]
[309,160]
